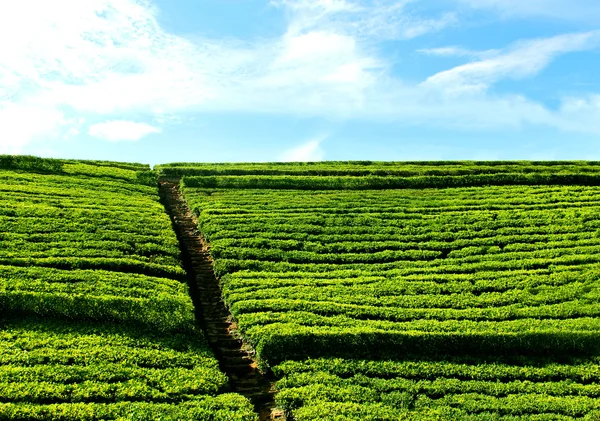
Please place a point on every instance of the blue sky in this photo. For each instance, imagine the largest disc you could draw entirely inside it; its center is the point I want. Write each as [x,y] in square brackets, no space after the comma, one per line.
[267,80]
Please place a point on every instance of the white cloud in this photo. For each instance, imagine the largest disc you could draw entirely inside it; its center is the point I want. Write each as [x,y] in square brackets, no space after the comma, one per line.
[522,60]
[104,56]
[111,57]
[72,132]
[22,124]
[578,112]
[308,152]
[312,71]
[372,19]
[119,130]
[316,45]
[456,51]
[451,51]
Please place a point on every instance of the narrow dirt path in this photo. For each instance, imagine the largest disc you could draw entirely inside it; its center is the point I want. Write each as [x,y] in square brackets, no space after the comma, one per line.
[235,358]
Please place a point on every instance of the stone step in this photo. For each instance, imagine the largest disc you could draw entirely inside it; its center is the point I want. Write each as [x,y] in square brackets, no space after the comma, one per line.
[256,395]
[237,360]
[227,343]
[210,296]
[213,301]
[217,324]
[219,318]
[253,381]
[220,324]
[257,398]
[210,293]
[277,415]
[247,388]
[214,314]
[239,370]
[209,289]
[208,319]
[217,332]
[231,352]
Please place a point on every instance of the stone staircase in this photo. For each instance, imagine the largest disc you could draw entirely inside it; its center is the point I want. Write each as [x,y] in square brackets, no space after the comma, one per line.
[236,359]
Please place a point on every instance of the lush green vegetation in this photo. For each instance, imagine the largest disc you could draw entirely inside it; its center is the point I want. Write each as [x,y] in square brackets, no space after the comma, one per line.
[374,291]
[89,371]
[96,320]
[491,269]
[382,272]
[370,168]
[453,388]
[89,248]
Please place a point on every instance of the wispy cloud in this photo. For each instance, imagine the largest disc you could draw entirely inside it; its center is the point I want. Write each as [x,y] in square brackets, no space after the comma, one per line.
[519,61]
[456,51]
[372,19]
[308,152]
[119,130]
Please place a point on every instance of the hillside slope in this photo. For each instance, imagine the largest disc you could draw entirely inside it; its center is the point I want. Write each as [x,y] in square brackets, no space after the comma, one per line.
[96,320]
[354,264]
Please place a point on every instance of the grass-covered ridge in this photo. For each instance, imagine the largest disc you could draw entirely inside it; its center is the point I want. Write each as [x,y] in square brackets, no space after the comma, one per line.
[96,321]
[139,173]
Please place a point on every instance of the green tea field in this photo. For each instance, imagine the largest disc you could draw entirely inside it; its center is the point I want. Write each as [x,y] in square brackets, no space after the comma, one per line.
[96,321]
[412,291]
[353,290]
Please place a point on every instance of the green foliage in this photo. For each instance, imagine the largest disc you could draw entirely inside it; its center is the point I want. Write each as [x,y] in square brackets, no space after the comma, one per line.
[30,163]
[391,182]
[86,248]
[53,370]
[96,321]
[454,388]
[225,407]
[344,273]
[146,177]
[49,361]
[369,168]
[33,164]
[405,266]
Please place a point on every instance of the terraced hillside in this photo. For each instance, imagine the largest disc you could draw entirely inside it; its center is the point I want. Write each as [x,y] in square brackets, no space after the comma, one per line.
[96,321]
[446,387]
[416,291]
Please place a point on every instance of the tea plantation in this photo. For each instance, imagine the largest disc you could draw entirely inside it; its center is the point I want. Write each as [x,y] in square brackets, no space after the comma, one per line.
[96,322]
[364,290]
[386,291]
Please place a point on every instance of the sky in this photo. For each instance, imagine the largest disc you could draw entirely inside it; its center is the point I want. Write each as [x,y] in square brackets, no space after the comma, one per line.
[159,81]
